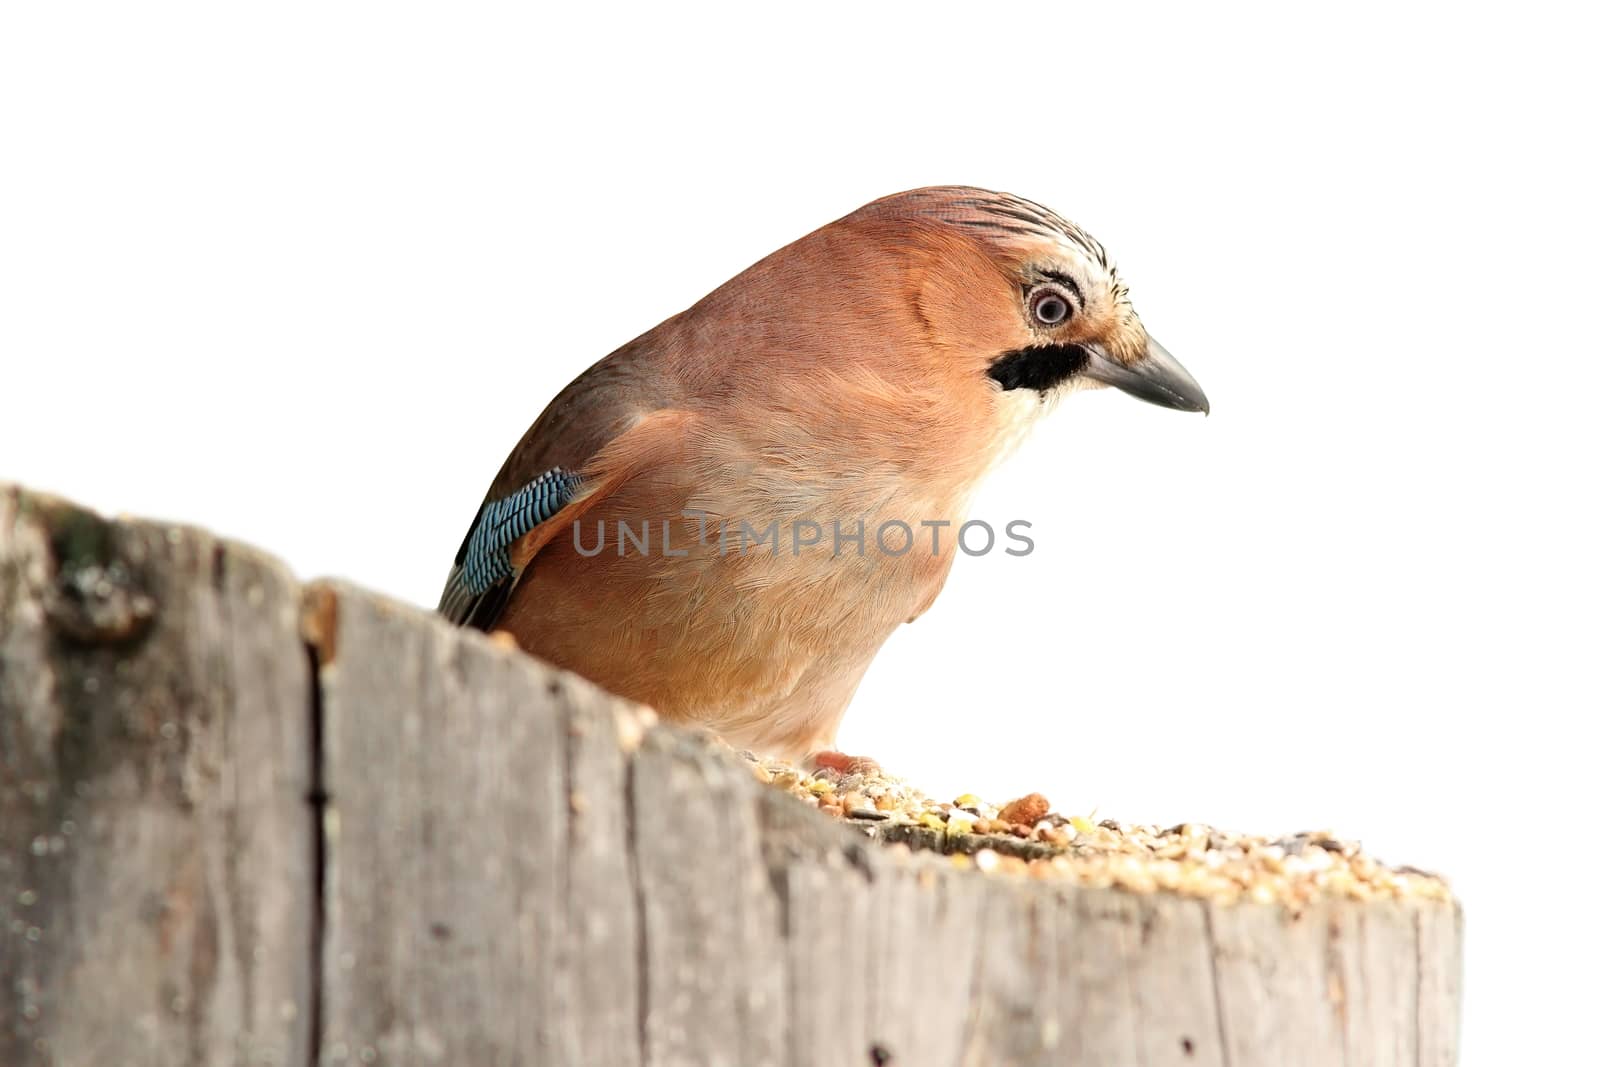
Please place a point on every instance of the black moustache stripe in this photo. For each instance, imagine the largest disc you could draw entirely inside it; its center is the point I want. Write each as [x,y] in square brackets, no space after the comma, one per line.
[1039,368]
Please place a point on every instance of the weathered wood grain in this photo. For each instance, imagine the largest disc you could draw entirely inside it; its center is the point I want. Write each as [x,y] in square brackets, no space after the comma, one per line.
[507,855]
[155,845]
[246,822]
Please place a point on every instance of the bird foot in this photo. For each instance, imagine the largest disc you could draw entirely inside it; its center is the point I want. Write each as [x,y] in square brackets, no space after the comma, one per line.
[843,764]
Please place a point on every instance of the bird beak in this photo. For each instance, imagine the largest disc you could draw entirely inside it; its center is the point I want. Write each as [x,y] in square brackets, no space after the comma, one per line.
[1155,377]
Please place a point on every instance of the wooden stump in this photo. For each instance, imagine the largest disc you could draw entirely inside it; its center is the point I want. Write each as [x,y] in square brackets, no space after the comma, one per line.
[246,822]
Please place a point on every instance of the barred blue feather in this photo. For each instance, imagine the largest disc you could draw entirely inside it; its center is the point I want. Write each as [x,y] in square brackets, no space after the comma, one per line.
[487,560]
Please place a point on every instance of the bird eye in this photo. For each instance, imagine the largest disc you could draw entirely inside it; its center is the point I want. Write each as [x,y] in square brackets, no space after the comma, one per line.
[1049,306]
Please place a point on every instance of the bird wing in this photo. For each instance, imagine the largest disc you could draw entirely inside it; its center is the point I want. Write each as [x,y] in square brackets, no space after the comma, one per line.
[523,514]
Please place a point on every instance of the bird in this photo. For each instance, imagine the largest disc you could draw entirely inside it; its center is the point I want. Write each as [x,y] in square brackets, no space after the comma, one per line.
[697,522]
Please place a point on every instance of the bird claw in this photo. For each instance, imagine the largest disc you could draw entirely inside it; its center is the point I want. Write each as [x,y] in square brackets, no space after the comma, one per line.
[843,764]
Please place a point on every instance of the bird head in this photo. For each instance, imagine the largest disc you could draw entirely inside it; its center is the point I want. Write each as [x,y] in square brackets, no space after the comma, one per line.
[1024,298]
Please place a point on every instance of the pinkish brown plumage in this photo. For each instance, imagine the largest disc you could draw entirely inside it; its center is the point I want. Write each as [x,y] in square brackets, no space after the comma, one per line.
[872,371]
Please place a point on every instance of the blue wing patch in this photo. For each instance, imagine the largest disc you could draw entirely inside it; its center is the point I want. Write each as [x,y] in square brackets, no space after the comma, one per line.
[486,559]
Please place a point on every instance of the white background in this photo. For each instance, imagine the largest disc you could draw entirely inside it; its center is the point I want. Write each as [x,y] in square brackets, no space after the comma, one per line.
[304,274]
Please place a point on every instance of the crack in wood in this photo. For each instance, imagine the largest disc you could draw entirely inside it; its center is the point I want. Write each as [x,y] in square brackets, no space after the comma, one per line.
[1216,987]
[317,801]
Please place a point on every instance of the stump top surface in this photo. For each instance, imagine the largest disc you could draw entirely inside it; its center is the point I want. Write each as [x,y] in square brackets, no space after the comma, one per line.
[1026,837]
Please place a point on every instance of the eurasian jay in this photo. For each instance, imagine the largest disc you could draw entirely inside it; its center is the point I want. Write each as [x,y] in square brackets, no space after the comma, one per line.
[862,379]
